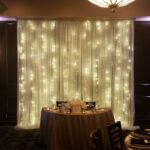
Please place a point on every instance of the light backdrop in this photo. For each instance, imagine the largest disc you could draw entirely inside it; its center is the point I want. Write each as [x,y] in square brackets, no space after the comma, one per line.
[89,60]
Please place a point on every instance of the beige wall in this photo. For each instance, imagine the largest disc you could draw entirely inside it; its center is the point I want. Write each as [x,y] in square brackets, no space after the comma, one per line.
[72,9]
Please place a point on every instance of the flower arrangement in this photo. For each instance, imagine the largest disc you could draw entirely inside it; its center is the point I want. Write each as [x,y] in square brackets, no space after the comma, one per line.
[76,105]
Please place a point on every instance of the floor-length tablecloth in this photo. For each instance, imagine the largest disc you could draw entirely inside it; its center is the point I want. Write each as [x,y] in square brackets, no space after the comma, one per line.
[70,131]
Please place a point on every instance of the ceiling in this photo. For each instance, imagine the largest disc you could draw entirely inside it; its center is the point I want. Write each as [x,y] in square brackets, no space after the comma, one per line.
[72,9]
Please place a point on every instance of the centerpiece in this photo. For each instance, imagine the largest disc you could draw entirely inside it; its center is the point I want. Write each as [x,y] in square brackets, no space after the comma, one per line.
[76,105]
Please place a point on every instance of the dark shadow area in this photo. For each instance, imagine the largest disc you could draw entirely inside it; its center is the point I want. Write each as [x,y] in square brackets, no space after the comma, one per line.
[19,139]
[24,139]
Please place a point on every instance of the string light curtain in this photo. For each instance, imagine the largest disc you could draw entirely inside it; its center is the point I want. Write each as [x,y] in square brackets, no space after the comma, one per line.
[74,60]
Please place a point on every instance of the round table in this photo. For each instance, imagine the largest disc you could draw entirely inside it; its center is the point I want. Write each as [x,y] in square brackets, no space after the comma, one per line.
[70,131]
[138,138]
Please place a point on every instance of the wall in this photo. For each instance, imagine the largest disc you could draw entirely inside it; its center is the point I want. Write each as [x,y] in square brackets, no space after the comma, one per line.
[142,71]
[8,73]
[72,9]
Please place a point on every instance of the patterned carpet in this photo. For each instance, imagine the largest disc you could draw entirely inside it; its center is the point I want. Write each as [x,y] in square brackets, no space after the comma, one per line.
[15,139]
[21,139]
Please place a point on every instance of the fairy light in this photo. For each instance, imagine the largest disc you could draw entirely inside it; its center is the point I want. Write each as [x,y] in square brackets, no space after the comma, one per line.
[55,68]
[52,25]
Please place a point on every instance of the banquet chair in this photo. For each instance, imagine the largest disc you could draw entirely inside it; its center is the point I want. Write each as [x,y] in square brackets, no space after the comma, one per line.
[116,136]
[96,138]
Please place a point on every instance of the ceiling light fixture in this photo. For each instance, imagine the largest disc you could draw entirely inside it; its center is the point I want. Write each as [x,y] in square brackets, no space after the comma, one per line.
[112,4]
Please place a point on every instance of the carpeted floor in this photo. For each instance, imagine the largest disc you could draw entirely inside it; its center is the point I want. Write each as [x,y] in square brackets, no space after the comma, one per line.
[20,139]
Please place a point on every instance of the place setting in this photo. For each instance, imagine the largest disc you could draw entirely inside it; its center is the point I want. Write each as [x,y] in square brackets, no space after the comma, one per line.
[75,106]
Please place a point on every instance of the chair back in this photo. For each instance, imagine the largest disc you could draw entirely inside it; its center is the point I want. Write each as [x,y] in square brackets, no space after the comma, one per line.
[96,138]
[116,136]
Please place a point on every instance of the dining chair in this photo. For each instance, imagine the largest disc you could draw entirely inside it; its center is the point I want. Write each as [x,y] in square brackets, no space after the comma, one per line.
[116,136]
[96,138]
